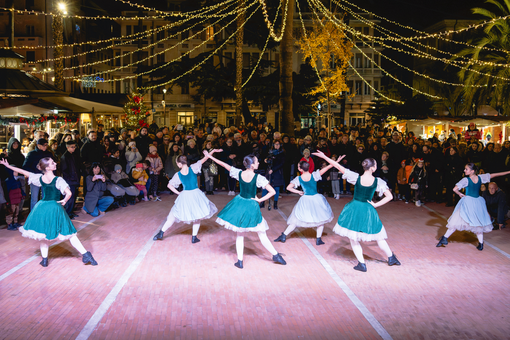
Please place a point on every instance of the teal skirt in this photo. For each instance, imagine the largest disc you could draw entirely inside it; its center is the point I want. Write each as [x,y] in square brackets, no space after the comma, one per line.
[242,215]
[48,221]
[360,221]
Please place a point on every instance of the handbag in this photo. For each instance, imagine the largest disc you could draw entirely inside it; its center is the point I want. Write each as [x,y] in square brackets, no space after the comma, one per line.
[414,186]
[213,169]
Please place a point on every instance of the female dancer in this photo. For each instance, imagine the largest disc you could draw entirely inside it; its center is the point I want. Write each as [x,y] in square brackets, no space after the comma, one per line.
[191,206]
[470,213]
[242,214]
[359,220]
[312,209]
[49,220]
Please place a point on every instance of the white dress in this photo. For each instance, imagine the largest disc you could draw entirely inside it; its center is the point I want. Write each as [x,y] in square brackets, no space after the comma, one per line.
[191,205]
[471,211]
[312,209]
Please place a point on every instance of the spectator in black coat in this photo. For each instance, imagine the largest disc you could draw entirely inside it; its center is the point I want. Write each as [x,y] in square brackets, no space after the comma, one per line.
[495,199]
[30,164]
[92,151]
[71,170]
[143,141]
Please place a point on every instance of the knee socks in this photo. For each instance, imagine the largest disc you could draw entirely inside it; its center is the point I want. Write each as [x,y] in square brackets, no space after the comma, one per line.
[169,222]
[289,229]
[75,242]
[480,237]
[385,247]
[44,249]
[449,232]
[196,226]
[240,246]
[319,231]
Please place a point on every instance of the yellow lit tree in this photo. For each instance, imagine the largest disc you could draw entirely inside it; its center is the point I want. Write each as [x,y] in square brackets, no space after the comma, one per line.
[327,48]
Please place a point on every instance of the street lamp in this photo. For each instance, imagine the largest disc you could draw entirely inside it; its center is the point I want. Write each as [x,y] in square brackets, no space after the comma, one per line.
[164,104]
[58,40]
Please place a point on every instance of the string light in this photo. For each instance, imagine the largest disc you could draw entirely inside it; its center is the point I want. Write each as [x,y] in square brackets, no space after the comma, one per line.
[205,59]
[124,43]
[163,65]
[141,34]
[354,69]
[263,50]
[421,32]
[270,25]
[170,13]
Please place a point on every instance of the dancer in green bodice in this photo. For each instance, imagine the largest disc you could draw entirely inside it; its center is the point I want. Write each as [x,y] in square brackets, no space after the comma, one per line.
[242,214]
[359,221]
[49,220]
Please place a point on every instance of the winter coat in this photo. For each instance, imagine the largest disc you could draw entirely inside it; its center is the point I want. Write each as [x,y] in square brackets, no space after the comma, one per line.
[95,190]
[156,164]
[132,158]
[14,156]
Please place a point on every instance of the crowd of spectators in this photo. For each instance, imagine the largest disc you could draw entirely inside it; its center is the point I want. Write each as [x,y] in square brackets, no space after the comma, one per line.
[117,168]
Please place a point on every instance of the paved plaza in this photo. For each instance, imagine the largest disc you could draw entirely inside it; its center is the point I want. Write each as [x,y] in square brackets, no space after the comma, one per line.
[173,289]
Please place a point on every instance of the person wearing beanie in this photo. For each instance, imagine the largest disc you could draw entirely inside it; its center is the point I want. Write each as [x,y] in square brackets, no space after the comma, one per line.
[154,171]
[121,180]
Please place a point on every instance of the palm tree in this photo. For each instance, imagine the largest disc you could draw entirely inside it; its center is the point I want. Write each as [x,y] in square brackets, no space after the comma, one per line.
[496,36]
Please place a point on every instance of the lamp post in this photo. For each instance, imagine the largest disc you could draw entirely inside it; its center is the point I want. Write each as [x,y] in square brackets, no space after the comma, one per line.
[58,40]
[164,106]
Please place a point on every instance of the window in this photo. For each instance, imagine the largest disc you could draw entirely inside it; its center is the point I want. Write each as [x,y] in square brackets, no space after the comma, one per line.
[30,57]
[376,85]
[161,34]
[209,33]
[246,60]
[276,59]
[185,88]
[117,60]
[350,84]
[29,4]
[30,30]
[357,85]
[376,59]
[160,58]
[367,87]
[359,59]
[128,30]
[126,59]
[368,63]
[366,30]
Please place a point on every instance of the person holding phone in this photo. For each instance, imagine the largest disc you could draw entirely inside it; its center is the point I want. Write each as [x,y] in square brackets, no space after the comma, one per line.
[95,201]
[133,156]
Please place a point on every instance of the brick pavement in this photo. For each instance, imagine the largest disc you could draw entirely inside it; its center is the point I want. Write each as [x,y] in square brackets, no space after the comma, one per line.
[192,291]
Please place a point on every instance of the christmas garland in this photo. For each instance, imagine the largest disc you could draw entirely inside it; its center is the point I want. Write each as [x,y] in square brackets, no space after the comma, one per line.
[41,120]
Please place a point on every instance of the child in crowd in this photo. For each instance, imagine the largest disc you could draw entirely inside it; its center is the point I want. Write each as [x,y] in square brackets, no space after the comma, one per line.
[120,178]
[142,177]
[403,182]
[347,190]
[418,181]
[156,165]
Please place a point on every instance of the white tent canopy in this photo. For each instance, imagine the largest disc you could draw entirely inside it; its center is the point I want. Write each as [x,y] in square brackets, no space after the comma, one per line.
[77,105]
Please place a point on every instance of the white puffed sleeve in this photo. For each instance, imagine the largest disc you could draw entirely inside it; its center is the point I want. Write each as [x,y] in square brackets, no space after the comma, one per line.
[234,172]
[317,175]
[175,181]
[462,183]
[486,178]
[382,186]
[261,181]
[61,185]
[296,182]
[34,179]
[196,167]
[350,176]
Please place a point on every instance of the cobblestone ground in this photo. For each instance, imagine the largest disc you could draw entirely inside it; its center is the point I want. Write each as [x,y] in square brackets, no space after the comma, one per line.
[173,289]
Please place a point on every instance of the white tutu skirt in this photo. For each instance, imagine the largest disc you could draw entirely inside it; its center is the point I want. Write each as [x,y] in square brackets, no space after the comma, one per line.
[262,226]
[34,235]
[359,236]
[311,211]
[192,206]
[470,214]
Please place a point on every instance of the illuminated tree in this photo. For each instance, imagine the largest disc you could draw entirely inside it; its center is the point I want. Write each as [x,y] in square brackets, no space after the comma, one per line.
[136,112]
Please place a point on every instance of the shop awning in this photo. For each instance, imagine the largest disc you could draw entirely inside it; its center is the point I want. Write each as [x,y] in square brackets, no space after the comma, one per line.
[77,105]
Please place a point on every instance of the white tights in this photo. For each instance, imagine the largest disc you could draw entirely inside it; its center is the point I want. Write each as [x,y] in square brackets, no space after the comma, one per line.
[263,239]
[358,251]
[75,242]
[292,227]
[451,231]
[171,220]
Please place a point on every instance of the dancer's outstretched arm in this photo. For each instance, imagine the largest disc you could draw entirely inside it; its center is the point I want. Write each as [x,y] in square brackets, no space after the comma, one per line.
[291,188]
[209,155]
[323,171]
[202,160]
[13,168]
[497,174]
[320,154]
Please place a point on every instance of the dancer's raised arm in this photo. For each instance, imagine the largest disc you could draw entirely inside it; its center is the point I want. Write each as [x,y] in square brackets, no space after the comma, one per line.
[202,160]
[497,174]
[320,154]
[209,155]
[323,171]
[13,168]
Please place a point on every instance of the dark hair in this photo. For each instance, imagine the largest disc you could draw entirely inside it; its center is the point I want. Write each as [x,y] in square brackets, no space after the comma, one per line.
[368,163]
[304,165]
[43,163]
[147,162]
[473,167]
[91,131]
[248,161]
[71,142]
[182,159]
[93,166]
